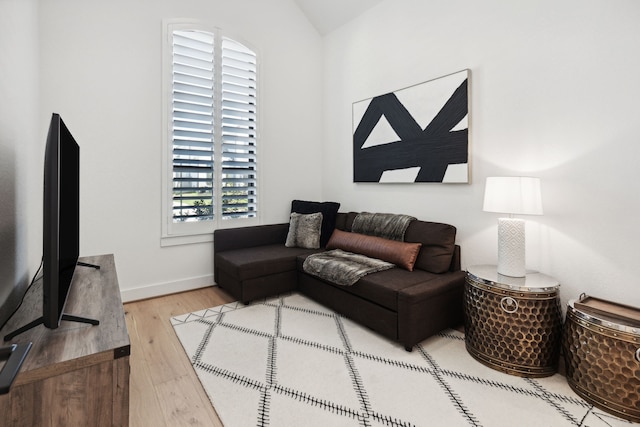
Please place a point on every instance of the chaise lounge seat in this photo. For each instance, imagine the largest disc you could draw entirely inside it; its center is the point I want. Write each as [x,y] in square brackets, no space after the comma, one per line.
[253,263]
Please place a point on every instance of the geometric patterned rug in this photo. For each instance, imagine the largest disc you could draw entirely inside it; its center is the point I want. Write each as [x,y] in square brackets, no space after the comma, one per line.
[288,361]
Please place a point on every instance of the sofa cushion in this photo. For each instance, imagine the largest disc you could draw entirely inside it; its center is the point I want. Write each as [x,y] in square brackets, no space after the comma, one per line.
[382,287]
[438,242]
[249,263]
[399,253]
[304,230]
[344,220]
[329,212]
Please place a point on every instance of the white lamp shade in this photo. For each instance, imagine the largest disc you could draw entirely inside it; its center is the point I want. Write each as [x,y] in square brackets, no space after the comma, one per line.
[513,195]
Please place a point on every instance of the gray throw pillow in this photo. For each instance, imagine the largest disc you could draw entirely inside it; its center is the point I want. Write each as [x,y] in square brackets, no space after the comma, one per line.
[329,212]
[304,231]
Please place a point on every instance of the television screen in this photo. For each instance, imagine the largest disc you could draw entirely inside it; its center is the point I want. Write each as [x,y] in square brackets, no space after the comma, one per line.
[61,241]
[61,227]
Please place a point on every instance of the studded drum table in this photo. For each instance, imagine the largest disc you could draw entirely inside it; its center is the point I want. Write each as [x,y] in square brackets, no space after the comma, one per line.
[602,355]
[513,324]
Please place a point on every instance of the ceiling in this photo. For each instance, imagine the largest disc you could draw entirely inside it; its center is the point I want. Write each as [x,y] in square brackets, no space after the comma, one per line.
[327,15]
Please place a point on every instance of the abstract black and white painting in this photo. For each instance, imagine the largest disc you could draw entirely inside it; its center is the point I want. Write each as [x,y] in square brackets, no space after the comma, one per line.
[416,134]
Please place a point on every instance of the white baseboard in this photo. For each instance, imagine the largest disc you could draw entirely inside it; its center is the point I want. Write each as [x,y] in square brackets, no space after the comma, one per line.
[160,289]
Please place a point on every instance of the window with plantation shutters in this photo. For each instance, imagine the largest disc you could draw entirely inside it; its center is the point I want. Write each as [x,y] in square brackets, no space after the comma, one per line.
[238,112]
[193,125]
[212,130]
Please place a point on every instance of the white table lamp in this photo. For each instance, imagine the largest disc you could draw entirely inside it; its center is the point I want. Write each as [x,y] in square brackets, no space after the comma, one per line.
[513,195]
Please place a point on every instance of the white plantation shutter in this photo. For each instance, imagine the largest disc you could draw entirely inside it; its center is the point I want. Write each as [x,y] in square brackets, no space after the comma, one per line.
[193,120]
[213,118]
[238,107]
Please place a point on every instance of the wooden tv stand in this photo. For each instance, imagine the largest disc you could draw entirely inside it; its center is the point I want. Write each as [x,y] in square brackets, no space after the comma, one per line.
[77,374]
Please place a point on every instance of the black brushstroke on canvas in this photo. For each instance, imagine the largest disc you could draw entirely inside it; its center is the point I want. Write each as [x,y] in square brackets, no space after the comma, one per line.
[431,149]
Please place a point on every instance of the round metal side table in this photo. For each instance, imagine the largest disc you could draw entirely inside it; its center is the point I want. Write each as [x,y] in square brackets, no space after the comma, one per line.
[513,324]
[601,345]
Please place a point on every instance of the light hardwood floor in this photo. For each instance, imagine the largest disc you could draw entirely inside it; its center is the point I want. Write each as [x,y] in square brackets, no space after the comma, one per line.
[164,389]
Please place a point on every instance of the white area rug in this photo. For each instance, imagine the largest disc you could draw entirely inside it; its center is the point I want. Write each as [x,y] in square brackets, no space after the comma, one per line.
[289,361]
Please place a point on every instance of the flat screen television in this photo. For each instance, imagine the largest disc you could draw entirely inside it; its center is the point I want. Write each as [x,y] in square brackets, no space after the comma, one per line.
[61,226]
[61,219]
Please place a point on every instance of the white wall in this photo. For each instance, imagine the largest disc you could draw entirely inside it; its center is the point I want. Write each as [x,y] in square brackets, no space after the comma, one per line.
[554,94]
[21,147]
[101,70]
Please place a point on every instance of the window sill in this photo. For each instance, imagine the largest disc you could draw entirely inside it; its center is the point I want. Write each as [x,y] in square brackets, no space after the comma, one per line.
[166,241]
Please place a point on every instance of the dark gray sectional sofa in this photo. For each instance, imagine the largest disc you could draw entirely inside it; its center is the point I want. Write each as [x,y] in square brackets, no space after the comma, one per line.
[405,306]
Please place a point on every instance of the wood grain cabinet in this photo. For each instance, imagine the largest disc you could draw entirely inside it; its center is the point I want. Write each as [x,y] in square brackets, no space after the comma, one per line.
[77,374]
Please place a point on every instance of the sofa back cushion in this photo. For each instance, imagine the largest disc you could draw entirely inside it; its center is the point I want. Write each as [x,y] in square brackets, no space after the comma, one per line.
[438,243]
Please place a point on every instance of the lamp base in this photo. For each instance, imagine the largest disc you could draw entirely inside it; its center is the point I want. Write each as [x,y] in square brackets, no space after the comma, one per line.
[511,244]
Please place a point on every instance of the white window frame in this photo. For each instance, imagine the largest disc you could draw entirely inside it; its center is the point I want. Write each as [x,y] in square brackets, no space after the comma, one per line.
[177,233]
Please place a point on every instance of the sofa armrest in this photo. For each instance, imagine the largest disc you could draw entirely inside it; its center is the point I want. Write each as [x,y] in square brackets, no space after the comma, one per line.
[443,283]
[429,307]
[228,239]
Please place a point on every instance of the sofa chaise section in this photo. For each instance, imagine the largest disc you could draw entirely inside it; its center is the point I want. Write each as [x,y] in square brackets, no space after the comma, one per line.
[252,262]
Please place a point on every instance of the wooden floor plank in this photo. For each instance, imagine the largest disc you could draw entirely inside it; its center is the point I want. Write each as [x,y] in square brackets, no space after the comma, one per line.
[144,406]
[165,390]
[183,405]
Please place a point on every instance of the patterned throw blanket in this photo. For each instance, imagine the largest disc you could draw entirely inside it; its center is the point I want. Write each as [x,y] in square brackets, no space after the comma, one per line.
[387,226]
[343,268]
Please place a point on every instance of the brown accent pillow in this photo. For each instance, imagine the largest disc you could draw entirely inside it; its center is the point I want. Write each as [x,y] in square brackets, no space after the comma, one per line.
[401,254]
